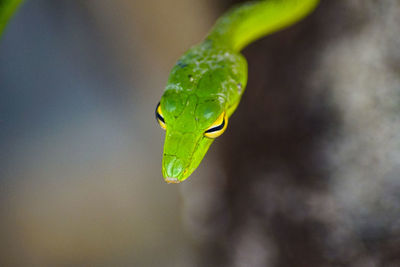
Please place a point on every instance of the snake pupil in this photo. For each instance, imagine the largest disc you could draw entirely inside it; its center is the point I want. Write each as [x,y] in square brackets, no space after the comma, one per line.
[216,128]
[159,117]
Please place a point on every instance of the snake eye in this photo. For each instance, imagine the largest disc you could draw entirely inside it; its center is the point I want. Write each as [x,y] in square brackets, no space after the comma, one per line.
[160,117]
[218,127]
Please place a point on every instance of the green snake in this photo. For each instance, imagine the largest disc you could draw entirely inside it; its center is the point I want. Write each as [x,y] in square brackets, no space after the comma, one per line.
[206,84]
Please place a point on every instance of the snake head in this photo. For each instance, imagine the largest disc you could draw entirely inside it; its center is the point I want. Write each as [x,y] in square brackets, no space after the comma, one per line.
[183,153]
[203,90]
[191,126]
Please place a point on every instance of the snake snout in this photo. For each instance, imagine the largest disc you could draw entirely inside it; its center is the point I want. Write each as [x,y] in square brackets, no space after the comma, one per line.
[174,169]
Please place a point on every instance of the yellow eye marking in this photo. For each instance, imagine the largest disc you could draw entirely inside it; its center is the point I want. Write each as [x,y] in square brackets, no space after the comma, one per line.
[218,127]
[160,117]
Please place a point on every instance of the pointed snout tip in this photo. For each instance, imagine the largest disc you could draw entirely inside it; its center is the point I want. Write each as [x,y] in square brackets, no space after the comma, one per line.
[172,180]
[173,169]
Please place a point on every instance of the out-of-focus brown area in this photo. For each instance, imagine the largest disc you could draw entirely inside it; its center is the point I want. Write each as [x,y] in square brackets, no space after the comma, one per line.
[308,173]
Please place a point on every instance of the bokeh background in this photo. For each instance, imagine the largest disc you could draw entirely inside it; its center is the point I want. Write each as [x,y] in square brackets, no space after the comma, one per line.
[308,173]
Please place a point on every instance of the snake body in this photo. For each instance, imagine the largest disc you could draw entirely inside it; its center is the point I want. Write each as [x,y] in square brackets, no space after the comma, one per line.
[206,84]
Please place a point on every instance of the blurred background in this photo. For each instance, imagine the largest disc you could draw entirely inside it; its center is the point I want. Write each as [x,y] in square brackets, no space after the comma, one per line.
[308,173]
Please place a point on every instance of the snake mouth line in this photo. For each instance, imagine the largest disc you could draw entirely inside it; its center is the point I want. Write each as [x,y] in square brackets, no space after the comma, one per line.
[172,180]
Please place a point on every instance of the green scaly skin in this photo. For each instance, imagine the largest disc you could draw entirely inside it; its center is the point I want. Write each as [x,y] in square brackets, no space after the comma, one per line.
[210,78]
